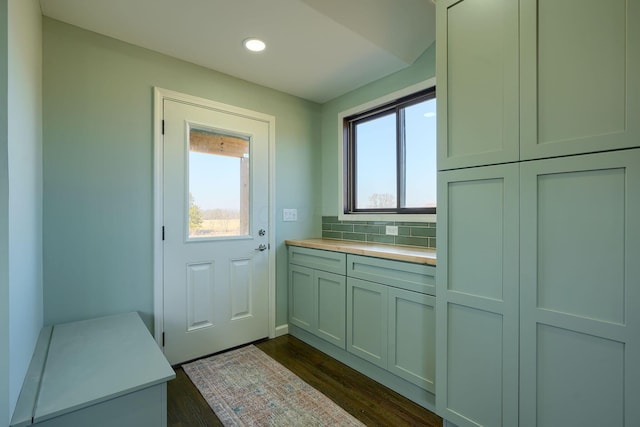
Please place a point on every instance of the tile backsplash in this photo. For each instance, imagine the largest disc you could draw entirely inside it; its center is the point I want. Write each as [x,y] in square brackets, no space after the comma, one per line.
[409,233]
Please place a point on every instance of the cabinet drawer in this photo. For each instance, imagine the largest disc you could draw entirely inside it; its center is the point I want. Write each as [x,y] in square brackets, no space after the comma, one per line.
[333,262]
[399,274]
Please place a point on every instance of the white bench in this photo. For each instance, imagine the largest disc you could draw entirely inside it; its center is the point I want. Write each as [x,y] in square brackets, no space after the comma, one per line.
[103,372]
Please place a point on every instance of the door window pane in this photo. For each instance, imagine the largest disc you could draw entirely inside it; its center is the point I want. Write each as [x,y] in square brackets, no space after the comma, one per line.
[218,165]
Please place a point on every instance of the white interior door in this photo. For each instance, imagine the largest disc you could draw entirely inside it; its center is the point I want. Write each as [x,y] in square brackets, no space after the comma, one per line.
[216,217]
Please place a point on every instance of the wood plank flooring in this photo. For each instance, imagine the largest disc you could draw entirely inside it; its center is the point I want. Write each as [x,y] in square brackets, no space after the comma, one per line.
[365,399]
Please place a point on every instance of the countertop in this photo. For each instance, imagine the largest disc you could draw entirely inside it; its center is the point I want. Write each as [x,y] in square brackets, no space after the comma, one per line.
[398,253]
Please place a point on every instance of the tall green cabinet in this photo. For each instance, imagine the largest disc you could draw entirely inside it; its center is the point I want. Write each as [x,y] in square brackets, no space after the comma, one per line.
[538,283]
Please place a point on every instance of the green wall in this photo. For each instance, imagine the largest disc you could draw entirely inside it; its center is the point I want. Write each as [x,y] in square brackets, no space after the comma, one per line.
[98,159]
[21,305]
[422,69]
[5,413]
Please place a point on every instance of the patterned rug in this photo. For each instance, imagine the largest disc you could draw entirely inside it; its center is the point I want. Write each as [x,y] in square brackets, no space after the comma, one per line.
[246,387]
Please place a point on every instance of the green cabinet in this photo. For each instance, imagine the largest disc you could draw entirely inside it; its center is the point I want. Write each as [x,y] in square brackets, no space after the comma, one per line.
[391,317]
[538,212]
[580,290]
[532,79]
[367,318]
[316,296]
[477,72]
[411,351]
[579,77]
[537,306]
[380,312]
[477,304]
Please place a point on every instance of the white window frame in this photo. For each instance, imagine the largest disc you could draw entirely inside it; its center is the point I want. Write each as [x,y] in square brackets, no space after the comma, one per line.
[342,216]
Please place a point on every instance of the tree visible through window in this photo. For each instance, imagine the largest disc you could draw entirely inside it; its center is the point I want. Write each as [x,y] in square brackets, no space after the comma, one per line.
[390,161]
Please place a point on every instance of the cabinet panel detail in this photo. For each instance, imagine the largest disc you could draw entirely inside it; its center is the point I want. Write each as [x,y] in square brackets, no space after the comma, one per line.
[474,365]
[568,48]
[331,297]
[412,333]
[477,305]
[579,326]
[475,237]
[367,320]
[570,206]
[587,368]
[595,36]
[478,73]
[301,301]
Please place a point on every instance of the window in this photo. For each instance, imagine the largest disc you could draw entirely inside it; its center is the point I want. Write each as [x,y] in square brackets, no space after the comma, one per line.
[217,210]
[390,157]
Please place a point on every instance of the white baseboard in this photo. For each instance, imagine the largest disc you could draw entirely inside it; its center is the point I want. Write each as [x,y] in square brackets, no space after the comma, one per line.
[282,330]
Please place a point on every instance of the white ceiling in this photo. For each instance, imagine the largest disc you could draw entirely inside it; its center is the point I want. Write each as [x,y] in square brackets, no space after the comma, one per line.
[316,49]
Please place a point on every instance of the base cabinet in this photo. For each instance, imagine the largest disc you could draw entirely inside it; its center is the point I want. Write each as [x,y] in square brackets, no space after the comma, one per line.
[378,310]
[317,297]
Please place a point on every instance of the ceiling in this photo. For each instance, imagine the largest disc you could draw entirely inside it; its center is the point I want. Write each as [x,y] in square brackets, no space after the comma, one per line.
[316,49]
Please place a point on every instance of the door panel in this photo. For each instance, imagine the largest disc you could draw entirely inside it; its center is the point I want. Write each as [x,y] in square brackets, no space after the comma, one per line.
[579,323]
[215,203]
[477,68]
[477,289]
[367,305]
[580,76]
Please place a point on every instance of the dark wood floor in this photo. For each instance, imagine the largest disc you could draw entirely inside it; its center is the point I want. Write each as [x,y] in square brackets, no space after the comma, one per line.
[365,399]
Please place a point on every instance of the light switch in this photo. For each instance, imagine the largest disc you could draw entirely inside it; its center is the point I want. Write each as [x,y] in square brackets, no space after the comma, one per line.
[392,230]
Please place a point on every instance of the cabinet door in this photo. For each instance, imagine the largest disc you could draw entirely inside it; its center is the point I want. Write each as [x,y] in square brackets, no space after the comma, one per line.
[477,303]
[580,290]
[367,320]
[302,311]
[412,337]
[477,69]
[330,292]
[580,76]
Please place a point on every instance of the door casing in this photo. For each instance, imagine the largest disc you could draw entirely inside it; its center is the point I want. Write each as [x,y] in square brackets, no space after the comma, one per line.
[160,95]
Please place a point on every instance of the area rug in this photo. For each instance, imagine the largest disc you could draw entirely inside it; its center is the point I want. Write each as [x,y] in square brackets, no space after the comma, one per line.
[246,387]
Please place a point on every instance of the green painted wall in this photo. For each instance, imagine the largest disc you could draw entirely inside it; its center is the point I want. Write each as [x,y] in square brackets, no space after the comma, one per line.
[98,146]
[422,69]
[5,413]
[25,187]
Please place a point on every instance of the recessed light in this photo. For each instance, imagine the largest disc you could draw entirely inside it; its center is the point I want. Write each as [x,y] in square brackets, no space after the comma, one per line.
[254,45]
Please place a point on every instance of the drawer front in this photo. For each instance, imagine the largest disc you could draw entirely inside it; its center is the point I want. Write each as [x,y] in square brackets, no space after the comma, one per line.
[404,275]
[333,262]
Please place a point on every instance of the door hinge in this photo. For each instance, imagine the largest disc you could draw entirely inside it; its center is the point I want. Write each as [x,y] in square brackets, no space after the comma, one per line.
[163,339]
[163,127]
[163,232]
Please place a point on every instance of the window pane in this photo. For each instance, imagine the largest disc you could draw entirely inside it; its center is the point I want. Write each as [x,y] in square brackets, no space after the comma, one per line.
[376,163]
[420,164]
[218,184]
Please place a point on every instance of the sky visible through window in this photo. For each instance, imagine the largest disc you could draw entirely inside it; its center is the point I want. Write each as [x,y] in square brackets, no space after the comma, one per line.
[377,157]
[214,181]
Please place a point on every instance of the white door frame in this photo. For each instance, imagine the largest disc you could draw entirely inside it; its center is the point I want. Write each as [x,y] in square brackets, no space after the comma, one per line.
[158,220]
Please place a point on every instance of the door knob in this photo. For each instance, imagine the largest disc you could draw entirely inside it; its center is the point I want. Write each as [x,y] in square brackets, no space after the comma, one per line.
[261,248]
